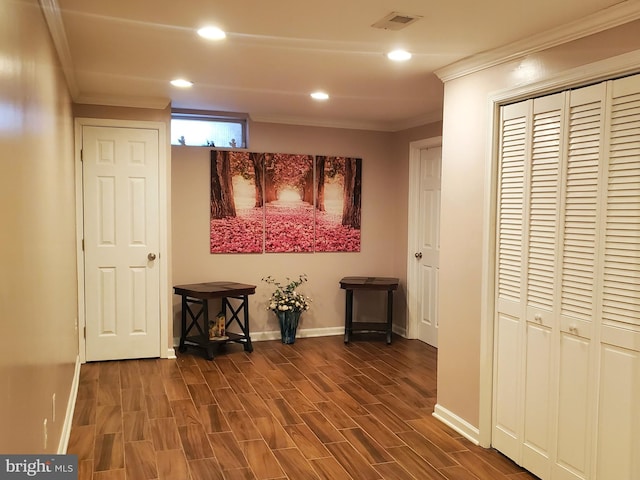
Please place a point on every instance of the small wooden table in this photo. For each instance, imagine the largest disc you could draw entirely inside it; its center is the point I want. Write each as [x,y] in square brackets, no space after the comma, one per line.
[368,283]
[200,294]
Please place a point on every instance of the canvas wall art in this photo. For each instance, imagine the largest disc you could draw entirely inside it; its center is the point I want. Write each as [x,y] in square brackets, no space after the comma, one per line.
[338,192]
[284,203]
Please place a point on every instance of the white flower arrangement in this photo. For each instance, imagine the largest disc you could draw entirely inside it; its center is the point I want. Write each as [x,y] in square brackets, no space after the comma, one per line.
[285,297]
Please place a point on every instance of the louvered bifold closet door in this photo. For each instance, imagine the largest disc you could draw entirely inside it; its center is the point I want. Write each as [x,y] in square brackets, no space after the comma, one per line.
[618,449]
[510,312]
[541,235]
[579,273]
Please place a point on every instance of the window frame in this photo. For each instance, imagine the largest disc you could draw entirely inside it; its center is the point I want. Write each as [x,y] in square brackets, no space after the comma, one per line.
[222,117]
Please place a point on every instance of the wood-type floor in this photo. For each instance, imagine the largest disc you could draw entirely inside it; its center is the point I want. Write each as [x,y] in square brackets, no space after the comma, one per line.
[317,409]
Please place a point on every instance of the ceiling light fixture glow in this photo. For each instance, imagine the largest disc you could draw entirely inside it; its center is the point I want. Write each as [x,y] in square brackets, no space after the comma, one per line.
[181,83]
[212,33]
[320,96]
[399,55]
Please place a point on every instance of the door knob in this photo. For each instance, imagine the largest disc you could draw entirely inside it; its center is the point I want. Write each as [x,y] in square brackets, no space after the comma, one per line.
[418,255]
[151,257]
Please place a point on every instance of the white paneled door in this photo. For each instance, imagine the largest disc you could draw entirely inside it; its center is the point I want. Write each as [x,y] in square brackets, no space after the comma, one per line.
[424,230]
[121,242]
[429,243]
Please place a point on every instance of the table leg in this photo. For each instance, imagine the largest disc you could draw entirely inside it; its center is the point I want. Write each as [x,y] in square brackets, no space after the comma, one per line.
[183,324]
[348,315]
[389,315]
[247,346]
[205,316]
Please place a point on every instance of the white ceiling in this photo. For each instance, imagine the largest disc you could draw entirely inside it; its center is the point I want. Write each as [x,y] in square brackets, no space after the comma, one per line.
[125,52]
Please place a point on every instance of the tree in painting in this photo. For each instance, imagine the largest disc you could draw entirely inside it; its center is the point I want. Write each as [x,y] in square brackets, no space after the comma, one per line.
[288,197]
[338,204]
[237,219]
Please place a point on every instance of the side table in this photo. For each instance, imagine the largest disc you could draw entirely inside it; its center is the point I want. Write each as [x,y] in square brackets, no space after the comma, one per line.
[200,294]
[368,283]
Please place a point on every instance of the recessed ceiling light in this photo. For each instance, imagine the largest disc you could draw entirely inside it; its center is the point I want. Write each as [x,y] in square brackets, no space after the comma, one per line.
[399,55]
[211,33]
[320,96]
[181,83]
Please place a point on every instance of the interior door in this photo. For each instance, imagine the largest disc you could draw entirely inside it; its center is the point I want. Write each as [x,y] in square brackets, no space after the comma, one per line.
[121,242]
[427,243]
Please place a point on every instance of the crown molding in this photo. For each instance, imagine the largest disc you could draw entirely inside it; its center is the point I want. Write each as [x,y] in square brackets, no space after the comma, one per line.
[321,122]
[156,103]
[611,17]
[349,125]
[53,18]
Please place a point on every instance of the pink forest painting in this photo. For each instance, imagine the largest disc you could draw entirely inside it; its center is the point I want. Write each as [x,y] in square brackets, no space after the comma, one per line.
[338,204]
[284,203]
[288,196]
[237,214]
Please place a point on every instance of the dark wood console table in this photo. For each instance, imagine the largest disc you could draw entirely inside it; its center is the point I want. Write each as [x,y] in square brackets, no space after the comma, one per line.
[368,283]
[200,294]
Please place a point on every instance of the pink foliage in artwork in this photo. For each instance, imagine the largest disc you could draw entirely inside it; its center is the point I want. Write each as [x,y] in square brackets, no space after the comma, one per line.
[289,228]
[332,236]
[240,234]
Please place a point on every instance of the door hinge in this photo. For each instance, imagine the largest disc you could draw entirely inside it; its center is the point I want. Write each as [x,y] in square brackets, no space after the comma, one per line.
[81,155]
[84,332]
[83,244]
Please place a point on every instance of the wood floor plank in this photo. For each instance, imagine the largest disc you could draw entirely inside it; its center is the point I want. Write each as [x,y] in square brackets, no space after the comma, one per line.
[195,442]
[213,419]
[329,469]
[205,469]
[136,426]
[108,419]
[172,465]
[272,432]
[393,471]
[321,427]
[261,458]
[227,451]
[201,394]
[414,463]
[306,441]
[109,452]
[141,460]
[176,388]
[352,462]
[377,430]
[295,465]
[284,412]
[366,446]
[428,450]
[133,399]
[82,441]
[242,426]
[335,415]
[164,432]
[185,412]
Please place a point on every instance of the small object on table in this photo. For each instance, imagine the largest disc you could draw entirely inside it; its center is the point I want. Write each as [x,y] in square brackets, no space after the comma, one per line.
[368,283]
[200,294]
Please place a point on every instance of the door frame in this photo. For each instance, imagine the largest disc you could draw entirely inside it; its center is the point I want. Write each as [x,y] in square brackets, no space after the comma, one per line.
[412,211]
[164,254]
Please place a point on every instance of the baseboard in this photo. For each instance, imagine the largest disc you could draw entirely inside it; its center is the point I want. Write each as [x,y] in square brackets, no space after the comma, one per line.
[71,406]
[460,425]
[275,334]
[399,331]
[171,352]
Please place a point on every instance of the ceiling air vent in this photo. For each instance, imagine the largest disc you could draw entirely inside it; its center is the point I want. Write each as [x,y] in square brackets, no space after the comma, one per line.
[396,21]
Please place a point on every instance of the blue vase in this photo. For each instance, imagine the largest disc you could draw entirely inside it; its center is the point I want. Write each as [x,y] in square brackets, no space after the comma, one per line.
[288,320]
